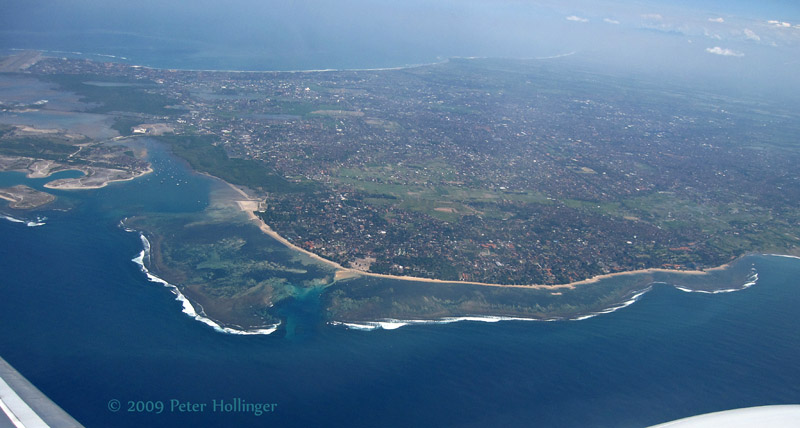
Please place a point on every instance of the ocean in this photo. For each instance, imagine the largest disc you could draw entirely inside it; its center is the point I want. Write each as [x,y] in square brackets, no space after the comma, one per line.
[80,320]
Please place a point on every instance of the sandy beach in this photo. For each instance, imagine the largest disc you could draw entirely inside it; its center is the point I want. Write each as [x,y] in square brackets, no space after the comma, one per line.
[249,206]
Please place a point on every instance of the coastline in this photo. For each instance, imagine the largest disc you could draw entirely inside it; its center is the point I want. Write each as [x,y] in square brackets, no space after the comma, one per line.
[630,299]
[343,273]
[22,197]
[78,184]
[46,54]
[93,177]
[393,324]
[187,307]
[249,206]
[125,60]
[321,70]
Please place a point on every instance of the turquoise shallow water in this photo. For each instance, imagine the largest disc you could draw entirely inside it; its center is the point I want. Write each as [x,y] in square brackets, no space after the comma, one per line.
[81,321]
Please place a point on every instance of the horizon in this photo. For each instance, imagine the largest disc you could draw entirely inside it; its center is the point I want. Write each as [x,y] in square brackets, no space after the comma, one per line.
[547,213]
[732,47]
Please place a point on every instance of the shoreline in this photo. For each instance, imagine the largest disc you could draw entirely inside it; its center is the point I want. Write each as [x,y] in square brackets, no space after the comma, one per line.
[249,210]
[22,197]
[45,53]
[115,58]
[393,323]
[249,206]
[93,177]
[187,306]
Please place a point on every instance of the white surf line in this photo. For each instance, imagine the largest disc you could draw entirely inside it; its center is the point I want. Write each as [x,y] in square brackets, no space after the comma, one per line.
[783,255]
[187,306]
[17,410]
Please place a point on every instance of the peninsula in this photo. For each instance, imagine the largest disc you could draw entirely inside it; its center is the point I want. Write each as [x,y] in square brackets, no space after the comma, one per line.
[495,187]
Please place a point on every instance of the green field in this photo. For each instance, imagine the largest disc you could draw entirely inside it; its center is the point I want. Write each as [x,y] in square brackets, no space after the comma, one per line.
[432,189]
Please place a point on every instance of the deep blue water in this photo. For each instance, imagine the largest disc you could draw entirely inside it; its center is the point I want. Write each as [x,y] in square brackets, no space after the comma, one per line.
[81,321]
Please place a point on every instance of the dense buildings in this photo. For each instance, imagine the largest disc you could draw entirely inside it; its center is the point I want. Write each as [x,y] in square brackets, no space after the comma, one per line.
[480,170]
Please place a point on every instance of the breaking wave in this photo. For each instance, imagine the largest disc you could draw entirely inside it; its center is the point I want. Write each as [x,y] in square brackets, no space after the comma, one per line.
[30,223]
[751,281]
[143,259]
[392,324]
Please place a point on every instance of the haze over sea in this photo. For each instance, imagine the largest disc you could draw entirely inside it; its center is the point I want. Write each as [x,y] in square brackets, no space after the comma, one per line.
[81,321]
[720,44]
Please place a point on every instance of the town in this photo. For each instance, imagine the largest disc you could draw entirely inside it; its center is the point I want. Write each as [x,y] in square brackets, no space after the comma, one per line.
[494,171]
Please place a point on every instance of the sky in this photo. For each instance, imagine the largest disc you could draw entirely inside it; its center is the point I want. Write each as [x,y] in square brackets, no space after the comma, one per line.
[749,45]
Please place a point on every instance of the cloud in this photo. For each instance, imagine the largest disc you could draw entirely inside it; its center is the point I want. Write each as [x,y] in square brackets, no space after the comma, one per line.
[750,35]
[653,16]
[576,19]
[724,52]
[781,24]
[711,35]
[611,21]
[719,20]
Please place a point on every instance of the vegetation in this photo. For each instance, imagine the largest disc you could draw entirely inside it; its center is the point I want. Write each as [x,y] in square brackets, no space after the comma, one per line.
[204,156]
[124,124]
[507,172]
[36,147]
